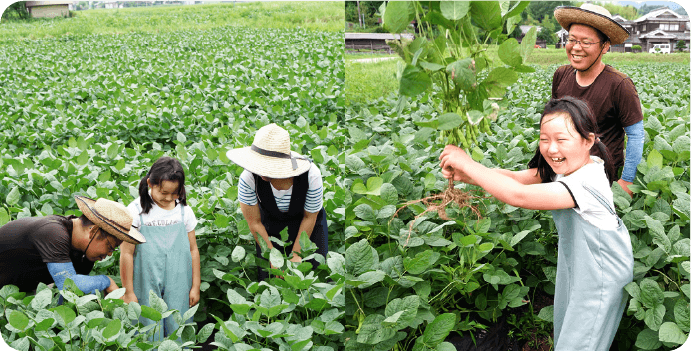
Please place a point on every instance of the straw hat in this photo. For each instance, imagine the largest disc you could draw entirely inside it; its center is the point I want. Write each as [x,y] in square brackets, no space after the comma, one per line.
[270,155]
[111,216]
[592,15]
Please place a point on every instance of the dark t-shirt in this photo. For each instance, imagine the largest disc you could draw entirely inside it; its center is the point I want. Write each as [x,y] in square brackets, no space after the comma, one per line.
[27,244]
[612,98]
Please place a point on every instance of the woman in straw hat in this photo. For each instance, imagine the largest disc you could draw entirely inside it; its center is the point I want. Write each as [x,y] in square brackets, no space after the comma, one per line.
[54,248]
[610,94]
[278,189]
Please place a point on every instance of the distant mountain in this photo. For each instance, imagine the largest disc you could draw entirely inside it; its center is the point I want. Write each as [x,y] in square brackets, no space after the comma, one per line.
[647,6]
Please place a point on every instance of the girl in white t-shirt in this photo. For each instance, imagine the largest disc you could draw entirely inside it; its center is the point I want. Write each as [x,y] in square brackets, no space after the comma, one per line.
[595,258]
[169,264]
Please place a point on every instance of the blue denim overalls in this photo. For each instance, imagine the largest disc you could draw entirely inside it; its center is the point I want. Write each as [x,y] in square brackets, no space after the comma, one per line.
[593,266]
[164,264]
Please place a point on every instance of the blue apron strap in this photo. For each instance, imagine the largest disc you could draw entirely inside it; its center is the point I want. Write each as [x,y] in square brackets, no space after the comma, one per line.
[599,197]
[182,213]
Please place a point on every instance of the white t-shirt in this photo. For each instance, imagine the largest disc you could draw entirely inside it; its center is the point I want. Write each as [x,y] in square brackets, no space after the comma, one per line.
[313,202]
[158,217]
[587,206]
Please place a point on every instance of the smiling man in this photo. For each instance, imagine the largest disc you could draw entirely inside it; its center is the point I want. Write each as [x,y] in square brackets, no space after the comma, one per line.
[610,94]
[54,248]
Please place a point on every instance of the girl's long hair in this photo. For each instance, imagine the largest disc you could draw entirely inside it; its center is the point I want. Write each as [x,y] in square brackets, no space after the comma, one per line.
[583,122]
[165,168]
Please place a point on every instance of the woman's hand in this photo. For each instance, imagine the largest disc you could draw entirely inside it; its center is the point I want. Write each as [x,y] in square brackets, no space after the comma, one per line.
[453,159]
[296,258]
[130,297]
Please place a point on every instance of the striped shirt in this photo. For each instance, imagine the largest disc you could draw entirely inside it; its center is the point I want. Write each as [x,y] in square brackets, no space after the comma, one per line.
[313,202]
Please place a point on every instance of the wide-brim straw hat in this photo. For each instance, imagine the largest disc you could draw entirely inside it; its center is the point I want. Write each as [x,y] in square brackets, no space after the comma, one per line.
[111,216]
[592,15]
[270,155]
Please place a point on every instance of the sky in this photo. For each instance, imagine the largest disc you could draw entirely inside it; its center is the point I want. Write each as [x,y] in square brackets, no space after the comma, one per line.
[670,4]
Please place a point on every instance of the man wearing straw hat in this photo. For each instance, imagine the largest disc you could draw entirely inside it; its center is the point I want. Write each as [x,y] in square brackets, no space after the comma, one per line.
[610,94]
[54,248]
[278,189]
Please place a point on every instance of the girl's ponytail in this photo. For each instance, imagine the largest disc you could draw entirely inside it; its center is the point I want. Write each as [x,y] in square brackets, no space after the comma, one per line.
[609,166]
[144,198]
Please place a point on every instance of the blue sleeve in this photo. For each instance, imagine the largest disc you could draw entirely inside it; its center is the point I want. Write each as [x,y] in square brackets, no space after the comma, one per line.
[634,150]
[86,283]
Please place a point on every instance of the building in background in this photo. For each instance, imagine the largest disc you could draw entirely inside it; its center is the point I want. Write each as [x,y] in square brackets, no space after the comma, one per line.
[49,9]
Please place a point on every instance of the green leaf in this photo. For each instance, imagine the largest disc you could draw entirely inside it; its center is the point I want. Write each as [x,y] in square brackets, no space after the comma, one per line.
[359,258]
[42,299]
[654,316]
[112,329]
[547,313]
[651,294]
[83,158]
[498,79]
[486,14]
[372,332]
[648,340]
[449,121]
[670,332]
[205,332]
[276,258]
[454,10]
[150,313]
[421,262]
[238,254]
[654,159]
[398,15]
[181,137]
[169,345]
[681,314]
[18,320]
[517,9]
[13,197]
[657,230]
[439,329]
[462,73]
[64,315]
[528,43]
[4,216]
[510,52]
[413,80]
[407,307]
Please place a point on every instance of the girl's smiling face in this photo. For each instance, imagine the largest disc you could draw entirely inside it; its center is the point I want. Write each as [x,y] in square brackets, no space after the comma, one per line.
[561,145]
[164,195]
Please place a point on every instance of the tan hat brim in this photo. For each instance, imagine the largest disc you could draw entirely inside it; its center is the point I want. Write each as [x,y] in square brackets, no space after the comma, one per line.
[267,166]
[86,205]
[568,15]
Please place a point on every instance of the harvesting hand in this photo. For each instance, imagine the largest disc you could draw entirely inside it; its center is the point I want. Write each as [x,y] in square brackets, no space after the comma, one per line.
[296,258]
[112,286]
[130,297]
[453,159]
[625,185]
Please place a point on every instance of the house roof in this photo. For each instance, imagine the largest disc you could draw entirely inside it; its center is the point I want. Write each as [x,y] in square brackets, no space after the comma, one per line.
[658,34]
[46,3]
[664,11]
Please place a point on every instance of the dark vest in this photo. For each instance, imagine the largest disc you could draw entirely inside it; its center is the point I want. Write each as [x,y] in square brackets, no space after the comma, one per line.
[267,202]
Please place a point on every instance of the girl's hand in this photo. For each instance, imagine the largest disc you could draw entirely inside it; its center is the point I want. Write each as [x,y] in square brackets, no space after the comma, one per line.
[453,159]
[194,296]
[130,297]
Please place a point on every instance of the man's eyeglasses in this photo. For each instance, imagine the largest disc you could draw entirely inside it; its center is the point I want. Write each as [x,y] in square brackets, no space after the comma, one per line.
[584,43]
[111,249]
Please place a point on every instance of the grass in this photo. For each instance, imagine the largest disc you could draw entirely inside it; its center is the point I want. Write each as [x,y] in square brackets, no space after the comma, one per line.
[366,82]
[322,16]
